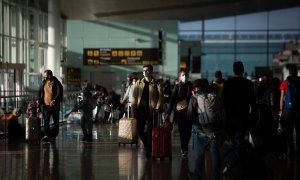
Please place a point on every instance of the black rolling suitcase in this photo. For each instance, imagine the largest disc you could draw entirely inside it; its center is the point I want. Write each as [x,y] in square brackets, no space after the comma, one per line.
[33,122]
[33,129]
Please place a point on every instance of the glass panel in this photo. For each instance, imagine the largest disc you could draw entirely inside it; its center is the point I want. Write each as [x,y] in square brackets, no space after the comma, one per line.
[258,21]
[10,79]
[1,22]
[251,48]
[190,26]
[41,29]
[251,36]
[32,3]
[285,19]
[6,50]
[251,61]
[6,18]
[215,48]
[24,51]
[13,20]
[13,50]
[34,80]
[42,56]
[216,61]
[24,20]
[1,39]
[213,36]
[46,28]
[1,53]
[31,26]
[220,24]
[31,59]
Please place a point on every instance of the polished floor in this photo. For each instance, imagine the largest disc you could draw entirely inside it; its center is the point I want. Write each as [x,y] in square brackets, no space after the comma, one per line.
[70,159]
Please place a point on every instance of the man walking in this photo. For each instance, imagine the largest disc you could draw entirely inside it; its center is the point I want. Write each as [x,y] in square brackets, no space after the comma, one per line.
[238,100]
[50,96]
[146,103]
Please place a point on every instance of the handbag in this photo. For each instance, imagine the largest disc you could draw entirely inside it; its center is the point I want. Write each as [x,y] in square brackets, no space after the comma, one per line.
[181,105]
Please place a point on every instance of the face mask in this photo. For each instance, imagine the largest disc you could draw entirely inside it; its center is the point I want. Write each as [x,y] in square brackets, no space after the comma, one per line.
[183,78]
[146,73]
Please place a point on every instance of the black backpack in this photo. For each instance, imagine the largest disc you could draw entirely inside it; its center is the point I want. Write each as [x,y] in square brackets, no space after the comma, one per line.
[292,96]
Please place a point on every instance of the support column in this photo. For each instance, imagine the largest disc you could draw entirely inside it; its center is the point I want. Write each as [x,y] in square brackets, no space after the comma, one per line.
[53,55]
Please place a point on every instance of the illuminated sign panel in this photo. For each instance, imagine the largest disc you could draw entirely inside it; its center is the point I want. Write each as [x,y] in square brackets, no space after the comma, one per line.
[112,56]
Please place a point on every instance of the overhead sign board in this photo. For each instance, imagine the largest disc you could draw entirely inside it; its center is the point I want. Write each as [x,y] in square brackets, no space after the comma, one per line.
[121,56]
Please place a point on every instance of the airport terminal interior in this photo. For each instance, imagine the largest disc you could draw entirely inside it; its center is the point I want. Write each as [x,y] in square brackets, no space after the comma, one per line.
[102,42]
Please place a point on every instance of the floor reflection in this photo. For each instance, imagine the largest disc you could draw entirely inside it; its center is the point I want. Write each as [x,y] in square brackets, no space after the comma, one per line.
[50,162]
[69,158]
[86,162]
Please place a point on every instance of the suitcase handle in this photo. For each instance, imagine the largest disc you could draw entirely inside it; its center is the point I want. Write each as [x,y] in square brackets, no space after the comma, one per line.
[128,111]
[158,119]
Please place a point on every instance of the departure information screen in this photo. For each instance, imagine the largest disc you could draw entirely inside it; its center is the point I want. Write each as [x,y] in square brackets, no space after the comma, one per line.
[119,56]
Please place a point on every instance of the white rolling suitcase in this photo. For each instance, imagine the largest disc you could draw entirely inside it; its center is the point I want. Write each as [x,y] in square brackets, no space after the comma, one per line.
[128,133]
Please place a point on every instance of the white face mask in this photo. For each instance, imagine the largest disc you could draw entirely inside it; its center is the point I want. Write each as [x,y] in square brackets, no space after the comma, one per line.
[183,78]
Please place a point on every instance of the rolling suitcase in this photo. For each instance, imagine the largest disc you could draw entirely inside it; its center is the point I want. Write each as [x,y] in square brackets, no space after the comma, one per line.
[128,133]
[33,129]
[161,142]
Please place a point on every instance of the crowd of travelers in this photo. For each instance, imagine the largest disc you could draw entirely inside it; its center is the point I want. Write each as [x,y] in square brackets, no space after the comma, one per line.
[252,118]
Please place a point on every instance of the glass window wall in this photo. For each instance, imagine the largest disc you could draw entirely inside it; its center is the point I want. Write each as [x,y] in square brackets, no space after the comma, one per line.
[253,38]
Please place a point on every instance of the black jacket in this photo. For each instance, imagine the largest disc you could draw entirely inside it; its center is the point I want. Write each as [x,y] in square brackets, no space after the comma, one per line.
[57,90]
[180,92]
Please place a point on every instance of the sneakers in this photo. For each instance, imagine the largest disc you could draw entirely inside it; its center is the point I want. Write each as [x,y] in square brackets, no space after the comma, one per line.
[47,139]
[84,138]
[184,154]
[87,139]
[282,156]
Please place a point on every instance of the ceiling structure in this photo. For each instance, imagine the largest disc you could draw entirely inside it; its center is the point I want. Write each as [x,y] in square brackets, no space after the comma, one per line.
[182,10]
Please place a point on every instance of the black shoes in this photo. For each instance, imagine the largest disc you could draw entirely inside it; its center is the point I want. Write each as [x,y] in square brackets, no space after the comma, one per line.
[87,139]
[184,154]
[47,139]
[84,138]
[148,155]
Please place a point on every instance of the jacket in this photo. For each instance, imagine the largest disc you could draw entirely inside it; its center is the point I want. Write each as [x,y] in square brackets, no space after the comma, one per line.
[57,90]
[180,92]
[155,95]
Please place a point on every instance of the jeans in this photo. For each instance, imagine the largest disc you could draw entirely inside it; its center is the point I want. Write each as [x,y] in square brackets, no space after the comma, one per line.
[87,126]
[184,127]
[49,112]
[145,133]
[290,121]
[200,143]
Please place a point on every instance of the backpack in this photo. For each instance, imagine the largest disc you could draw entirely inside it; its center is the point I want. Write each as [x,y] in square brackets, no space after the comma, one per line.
[33,109]
[210,112]
[292,96]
